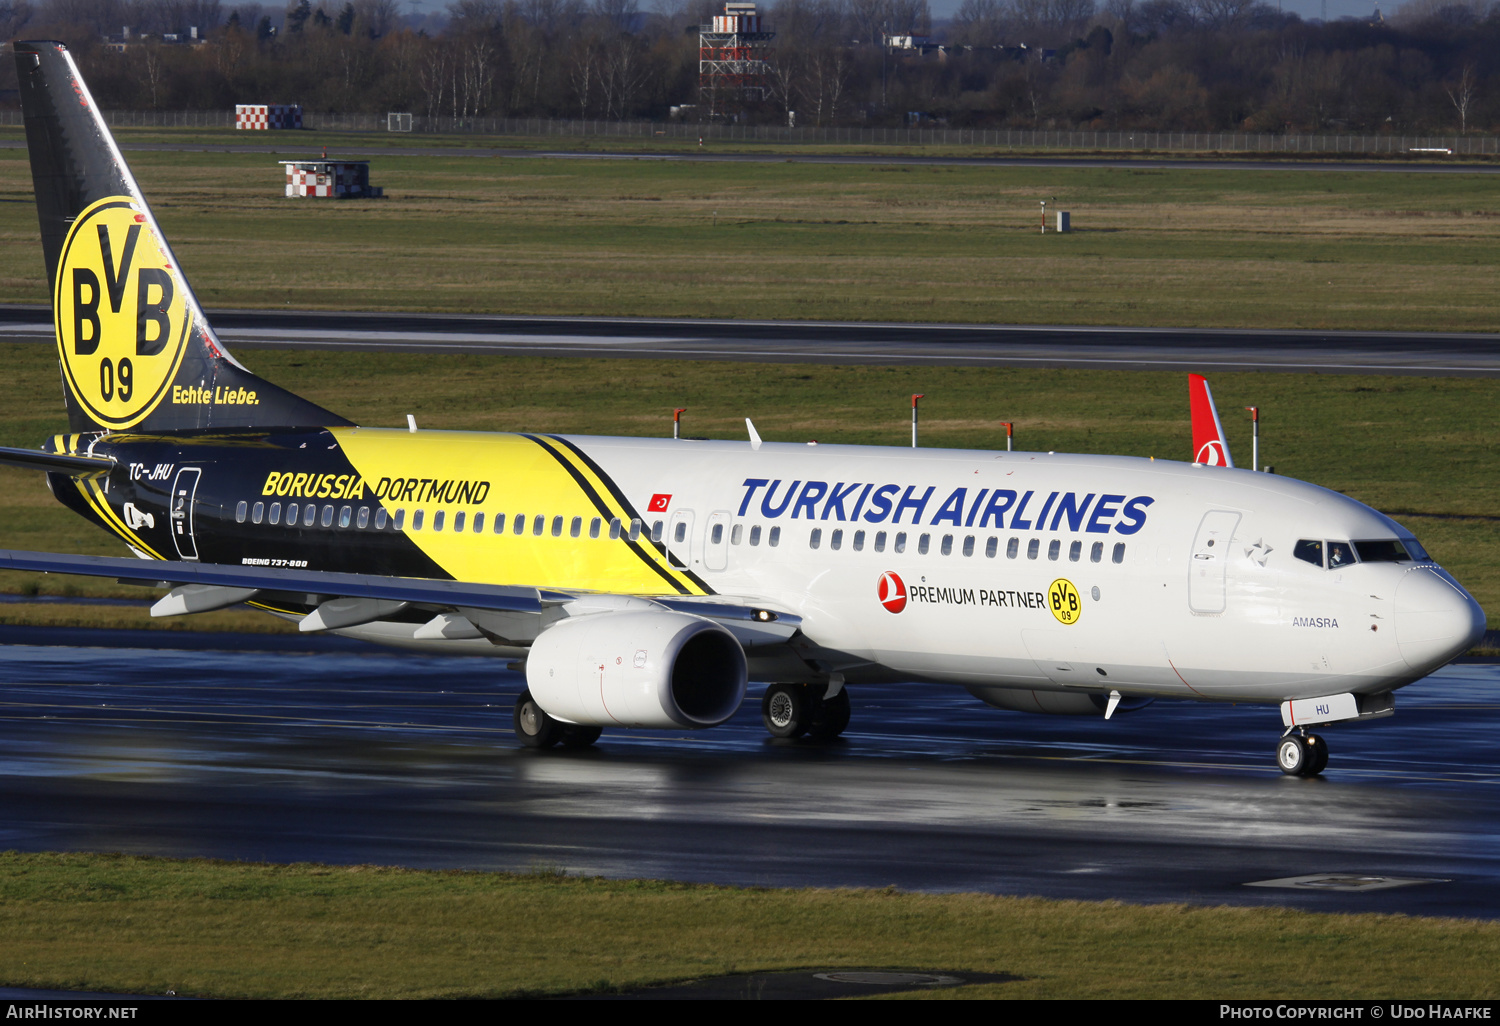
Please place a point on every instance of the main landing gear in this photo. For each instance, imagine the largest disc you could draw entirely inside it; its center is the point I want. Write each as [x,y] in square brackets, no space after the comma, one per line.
[1302,755]
[536,729]
[791,710]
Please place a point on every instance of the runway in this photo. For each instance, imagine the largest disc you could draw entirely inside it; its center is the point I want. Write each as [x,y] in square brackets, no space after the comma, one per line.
[305,749]
[1433,354]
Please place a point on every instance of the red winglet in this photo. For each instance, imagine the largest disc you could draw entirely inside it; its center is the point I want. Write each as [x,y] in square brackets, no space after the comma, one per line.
[1210,447]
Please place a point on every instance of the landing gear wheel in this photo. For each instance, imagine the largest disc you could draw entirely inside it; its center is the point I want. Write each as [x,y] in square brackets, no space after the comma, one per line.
[831,718]
[534,727]
[786,710]
[1302,755]
[1318,755]
[575,736]
[1292,755]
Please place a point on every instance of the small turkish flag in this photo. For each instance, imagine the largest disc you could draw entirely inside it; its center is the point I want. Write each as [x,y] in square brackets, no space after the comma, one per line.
[659,503]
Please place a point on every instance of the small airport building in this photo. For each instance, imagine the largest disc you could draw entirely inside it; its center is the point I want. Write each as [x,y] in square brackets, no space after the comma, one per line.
[333,179]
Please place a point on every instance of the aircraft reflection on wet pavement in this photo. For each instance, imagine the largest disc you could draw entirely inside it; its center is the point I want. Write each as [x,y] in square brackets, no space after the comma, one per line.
[345,754]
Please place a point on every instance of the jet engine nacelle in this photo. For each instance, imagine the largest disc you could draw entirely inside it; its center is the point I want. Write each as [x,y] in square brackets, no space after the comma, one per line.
[637,668]
[1072,703]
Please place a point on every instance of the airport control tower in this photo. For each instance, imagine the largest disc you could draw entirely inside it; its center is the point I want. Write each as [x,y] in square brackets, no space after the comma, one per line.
[732,56]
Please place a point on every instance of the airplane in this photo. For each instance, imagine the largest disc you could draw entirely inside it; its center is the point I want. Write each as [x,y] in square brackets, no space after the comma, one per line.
[643,582]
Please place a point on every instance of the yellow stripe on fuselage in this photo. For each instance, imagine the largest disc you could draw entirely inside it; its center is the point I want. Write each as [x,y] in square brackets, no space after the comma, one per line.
[516,475]
[93,493]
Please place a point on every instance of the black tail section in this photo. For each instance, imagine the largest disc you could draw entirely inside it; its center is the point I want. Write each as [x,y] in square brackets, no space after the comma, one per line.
[135,348]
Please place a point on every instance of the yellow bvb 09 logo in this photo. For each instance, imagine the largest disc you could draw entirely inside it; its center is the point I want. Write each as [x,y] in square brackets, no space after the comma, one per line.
[121,314]
[1063,600]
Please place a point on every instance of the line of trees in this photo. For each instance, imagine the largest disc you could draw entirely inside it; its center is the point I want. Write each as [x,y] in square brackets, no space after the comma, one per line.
[1171,65]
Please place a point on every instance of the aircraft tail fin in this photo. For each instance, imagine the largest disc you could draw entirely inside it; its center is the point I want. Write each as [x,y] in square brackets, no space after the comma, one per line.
[136,351]
[1209,444]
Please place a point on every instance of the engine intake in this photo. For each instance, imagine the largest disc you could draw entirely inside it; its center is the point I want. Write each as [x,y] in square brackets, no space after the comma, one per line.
[638,668]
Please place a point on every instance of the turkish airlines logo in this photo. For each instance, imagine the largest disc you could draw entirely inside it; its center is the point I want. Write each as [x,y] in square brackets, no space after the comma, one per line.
[892,591]
[659,503]
[1212,454]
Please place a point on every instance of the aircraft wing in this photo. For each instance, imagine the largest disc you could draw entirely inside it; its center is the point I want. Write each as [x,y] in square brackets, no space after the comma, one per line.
[347,600]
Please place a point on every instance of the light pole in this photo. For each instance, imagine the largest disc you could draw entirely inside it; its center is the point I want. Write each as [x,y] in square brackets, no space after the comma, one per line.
[1254,437]
[677,421]
[914,398]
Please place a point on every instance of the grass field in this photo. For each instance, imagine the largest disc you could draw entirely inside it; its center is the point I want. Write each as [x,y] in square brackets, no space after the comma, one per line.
[1258,249]
[136,925]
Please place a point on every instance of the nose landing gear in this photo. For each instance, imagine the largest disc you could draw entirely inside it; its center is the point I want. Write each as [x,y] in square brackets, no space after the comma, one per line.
[1302,755]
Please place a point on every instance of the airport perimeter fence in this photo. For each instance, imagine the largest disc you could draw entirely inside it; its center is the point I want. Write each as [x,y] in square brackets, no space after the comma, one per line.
[984,138]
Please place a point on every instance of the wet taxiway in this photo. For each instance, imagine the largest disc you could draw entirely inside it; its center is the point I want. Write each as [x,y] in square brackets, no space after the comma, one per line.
[253,748]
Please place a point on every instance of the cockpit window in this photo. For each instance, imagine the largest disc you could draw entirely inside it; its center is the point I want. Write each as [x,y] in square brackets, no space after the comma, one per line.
[1340,553]
[1309,552]
[1382,552]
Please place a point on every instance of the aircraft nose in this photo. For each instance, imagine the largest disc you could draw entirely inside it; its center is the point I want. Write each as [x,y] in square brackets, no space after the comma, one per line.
[1436,619]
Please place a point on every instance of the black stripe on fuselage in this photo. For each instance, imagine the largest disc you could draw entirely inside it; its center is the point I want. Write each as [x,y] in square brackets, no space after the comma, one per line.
[625,504]
[603,508]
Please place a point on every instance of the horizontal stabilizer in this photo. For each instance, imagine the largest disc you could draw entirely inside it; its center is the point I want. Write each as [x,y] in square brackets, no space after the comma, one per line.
[55,462]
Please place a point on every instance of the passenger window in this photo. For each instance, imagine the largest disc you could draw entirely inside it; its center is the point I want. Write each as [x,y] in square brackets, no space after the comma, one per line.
[736,533]
[836,540]
[1033,548]
[275,512]
[900,545]
[879,541]
[518,524]
[437,520]
[594,526]
[1054,549]
[557,525]
[1013,548]
[1340,554]
[364,517]
[417,516]
[241,512]
[969,545]
[947,547]
[614,528]
[991,547]
[478,522]
[575,529]
[380,518]
[774,539]
[1119,556]
[859,541]
[310,513]
[656,531]
[923,544]
[538,525]
[1075,552]
[458,521]
[346,516]
[399,524]
[1096,552]
[755,535]
[680,534]
[499,527]
[293,511]
[718,535]
[257,512]
[816,538]
[1309,551]
[635,528]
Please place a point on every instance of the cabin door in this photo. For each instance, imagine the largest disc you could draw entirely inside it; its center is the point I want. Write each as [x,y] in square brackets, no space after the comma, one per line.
[1209,561]
[184,488]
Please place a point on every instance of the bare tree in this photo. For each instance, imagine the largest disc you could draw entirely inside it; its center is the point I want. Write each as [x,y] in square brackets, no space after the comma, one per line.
[1462,94]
